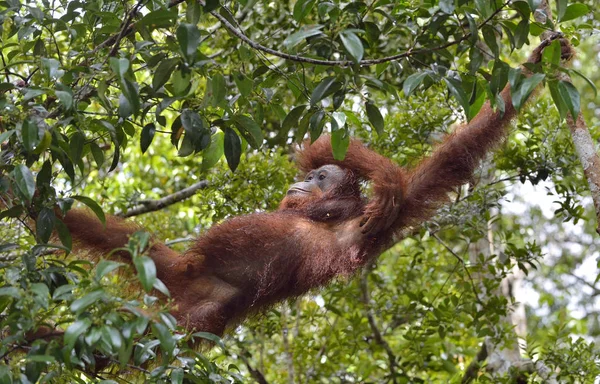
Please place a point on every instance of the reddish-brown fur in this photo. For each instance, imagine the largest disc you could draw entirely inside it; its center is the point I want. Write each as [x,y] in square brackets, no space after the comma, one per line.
[253,261]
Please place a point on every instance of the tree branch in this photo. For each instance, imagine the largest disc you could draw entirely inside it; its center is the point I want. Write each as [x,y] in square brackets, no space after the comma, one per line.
[584,144]
[586,151]
[255,373]
[113,40]
[345,63]
[125,28]
[473,368]
[466,268]
[155,205]
[366,299]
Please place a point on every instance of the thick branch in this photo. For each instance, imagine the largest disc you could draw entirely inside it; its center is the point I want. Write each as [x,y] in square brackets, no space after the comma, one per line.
[586,151]
[155,205]
[584,144]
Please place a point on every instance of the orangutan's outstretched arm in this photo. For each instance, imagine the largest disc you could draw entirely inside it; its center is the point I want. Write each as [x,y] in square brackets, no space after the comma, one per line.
[455,159]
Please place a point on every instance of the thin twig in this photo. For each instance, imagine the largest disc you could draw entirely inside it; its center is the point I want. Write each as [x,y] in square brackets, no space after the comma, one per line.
[125,30]
[443,244]
[377,336]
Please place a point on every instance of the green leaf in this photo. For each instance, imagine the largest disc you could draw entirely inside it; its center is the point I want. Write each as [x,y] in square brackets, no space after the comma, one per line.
[112,337]
[187,146]
[302,8]
[473,31]
[181,80]
[213,153]
[304,33]
[159,19]
[10,291]
[33,93]
[91,204]
[291,120]
[561,8]
[456,89]
[41,358]
[316,124]
[125,107]
[64,235]
[193,11]
[76,144]
[163,72]
[146,270]
[210,337]
[161,287]
[119,66]
[51,68]
[552,53]
[82,303]
[193,125]
[340,141]
[412,82]
[521,33]
[570,96]
[587,80]
[243,83]
[233,148]
[219,90]
[211,5]
[326,87]
[489,35]
[447,6]
[44,176]
[5,375]
[29,133]
[64,94]
[249,130]
[167,342]
[6,87]
[374,116]
[523,8]
[353,45]
[484,7]
[574,11]
[24,180]
[514,77]
[560,104]
[74,330]
[5,135]
[524,89]
[188,37]
[147,136]
[44,224]
[499,76]
[177,376]
[98,154]
[338,98]
[13,212]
